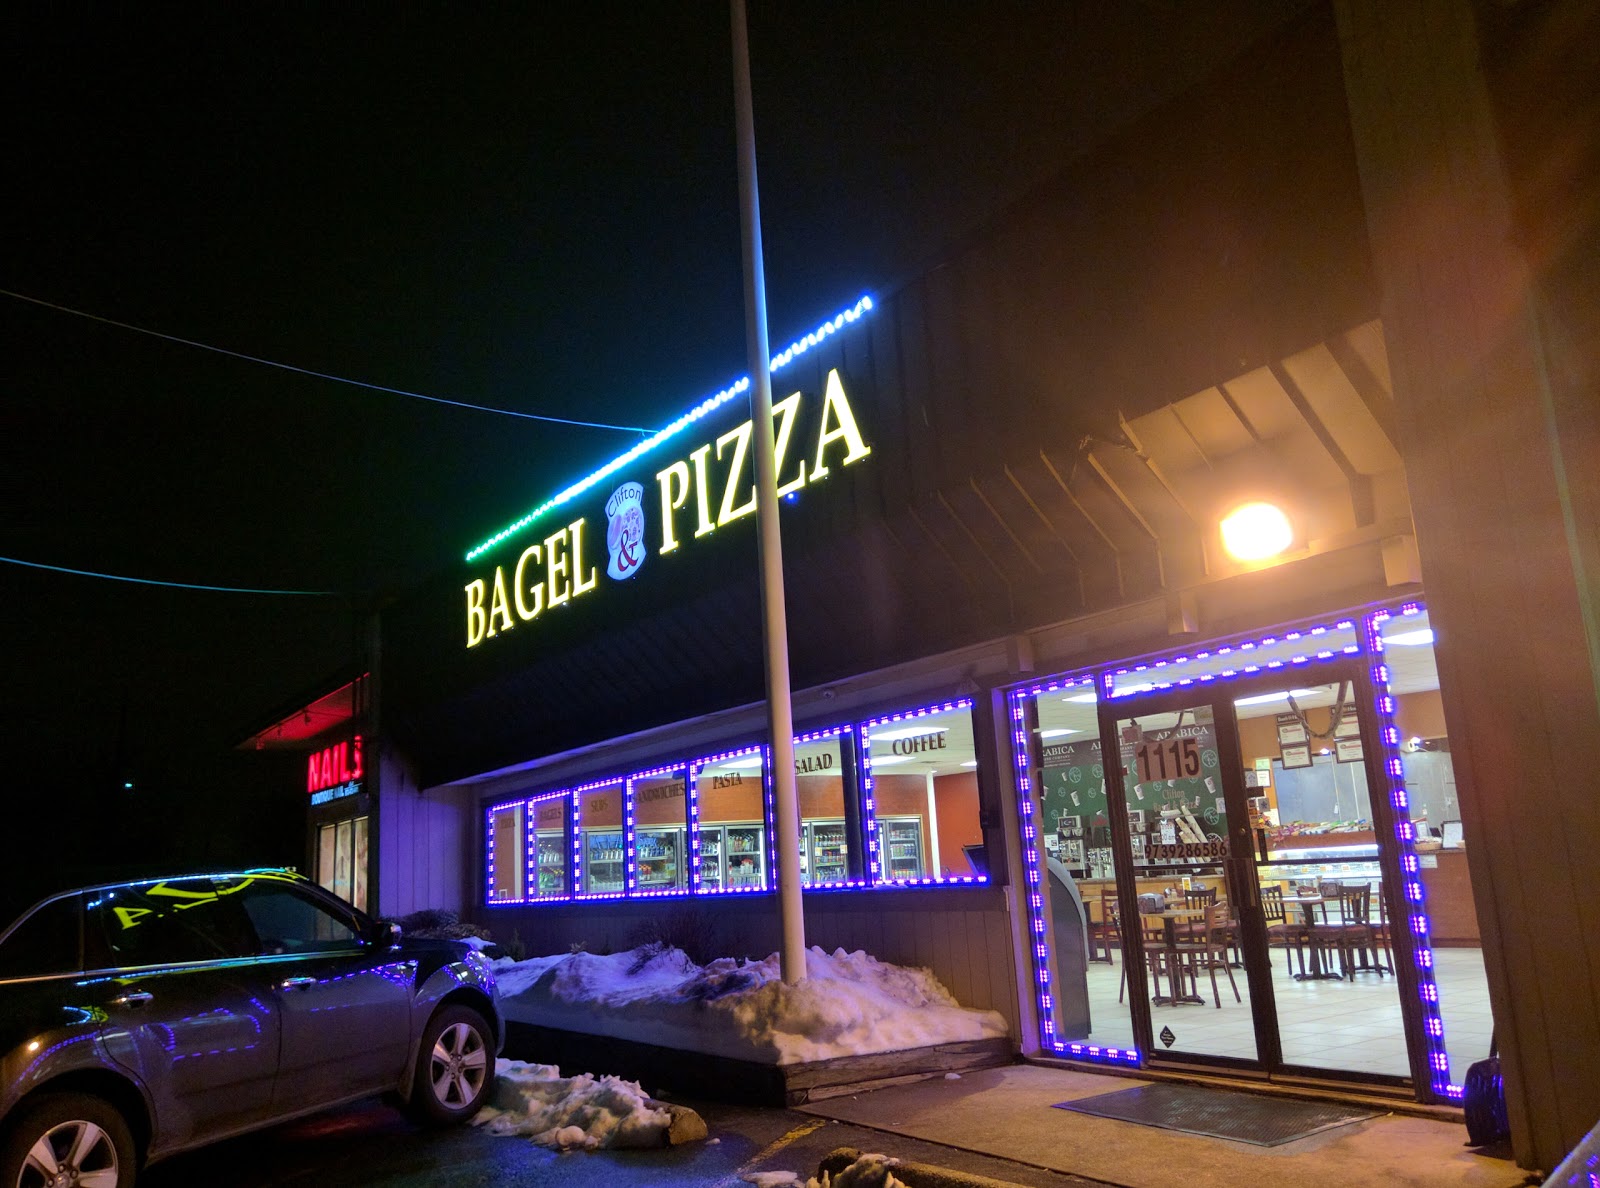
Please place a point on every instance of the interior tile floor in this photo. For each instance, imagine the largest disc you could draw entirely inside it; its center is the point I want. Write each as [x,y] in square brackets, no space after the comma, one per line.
[1351,1025]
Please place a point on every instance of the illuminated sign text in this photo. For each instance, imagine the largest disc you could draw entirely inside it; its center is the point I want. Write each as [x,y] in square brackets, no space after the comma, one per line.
[339,764]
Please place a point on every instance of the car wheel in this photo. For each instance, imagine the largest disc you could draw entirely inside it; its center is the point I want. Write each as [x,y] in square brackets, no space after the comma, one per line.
[68,1138]
[455,1067]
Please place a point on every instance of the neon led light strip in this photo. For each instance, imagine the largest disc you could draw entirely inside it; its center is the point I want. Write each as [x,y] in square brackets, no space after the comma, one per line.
[578,839]
[490,857]
[877,872]
[707,406]
[531,885]
[1405,837]
[1370,644]
[1033,876]
[628,824]
[696,886]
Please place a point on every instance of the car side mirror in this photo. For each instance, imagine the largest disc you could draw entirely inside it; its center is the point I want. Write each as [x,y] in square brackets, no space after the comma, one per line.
[384,934]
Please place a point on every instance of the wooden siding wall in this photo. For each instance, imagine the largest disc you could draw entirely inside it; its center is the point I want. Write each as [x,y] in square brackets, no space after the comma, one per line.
[963,935]
[422,843]
[1505,541]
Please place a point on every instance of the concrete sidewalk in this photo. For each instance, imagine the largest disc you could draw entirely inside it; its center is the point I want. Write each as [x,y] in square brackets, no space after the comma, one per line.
[1007,1112]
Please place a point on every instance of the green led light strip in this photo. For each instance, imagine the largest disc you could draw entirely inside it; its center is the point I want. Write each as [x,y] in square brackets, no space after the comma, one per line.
[706,406]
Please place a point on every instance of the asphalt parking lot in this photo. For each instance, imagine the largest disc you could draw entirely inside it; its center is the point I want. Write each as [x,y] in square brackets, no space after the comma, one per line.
[372,1143]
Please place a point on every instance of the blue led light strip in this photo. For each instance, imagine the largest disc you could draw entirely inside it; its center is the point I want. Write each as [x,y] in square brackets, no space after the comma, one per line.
[877,873]
[697,887]
[1405,837]
[491,857]
[531,885]
[707,406]
[629,824]
[578,838]
[1033,875]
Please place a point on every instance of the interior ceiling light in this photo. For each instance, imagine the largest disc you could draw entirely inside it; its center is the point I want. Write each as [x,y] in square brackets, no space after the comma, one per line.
[927,726]
[1081,698]
[1256,531]
[1264,698]
[1410,639]
[1057,733]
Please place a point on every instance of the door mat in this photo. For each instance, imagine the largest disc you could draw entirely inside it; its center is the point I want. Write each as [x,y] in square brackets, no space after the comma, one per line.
[1220,1113]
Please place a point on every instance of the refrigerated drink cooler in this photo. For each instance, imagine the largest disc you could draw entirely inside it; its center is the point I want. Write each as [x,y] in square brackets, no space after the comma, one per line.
[826,854]
[902,847]
[733,856]
[603,864]
[660,855]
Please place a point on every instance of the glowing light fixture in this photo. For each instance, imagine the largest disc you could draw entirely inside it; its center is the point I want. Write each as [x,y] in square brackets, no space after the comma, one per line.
[709,405]
[1267,698]
[1410,639]
[1256,531]
[1057,733]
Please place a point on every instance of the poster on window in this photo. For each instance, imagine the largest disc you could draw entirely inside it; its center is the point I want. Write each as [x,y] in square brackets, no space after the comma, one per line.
[1291,730]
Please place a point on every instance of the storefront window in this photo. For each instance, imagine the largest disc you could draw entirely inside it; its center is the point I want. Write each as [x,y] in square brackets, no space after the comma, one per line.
[830,819]
[922,819]
[600,853]
[506,862]
[1058,739]
[548,848]
[658,806]
[730,804]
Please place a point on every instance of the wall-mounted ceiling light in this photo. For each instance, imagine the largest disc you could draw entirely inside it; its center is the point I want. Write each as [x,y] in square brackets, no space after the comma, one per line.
[1256,532]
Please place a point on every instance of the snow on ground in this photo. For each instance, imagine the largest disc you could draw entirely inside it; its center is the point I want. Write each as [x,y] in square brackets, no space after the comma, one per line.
[569,1112]
[848,1004]
[869,1171]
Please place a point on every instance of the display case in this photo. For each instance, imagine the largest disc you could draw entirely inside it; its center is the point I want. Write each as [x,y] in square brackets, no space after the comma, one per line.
[826,852]
[659,853]
[602,861]
[550,862]
[902,847]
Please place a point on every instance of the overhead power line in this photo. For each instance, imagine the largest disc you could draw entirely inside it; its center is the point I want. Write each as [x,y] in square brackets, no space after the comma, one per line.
[338,379]
[116,577]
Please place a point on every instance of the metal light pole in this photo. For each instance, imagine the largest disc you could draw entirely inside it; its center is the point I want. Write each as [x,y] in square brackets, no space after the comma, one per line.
[780,714]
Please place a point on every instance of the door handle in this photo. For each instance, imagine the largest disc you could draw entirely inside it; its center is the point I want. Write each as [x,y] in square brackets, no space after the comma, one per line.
[296,983]
[136,998]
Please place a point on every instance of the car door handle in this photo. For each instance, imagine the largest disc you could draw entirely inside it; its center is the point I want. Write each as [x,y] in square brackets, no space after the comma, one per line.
[296,983]
[136,999]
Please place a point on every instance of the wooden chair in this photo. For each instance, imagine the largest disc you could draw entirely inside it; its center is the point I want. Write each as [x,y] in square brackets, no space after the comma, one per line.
[1153,943]
[1194,899]
[1353,933]
[1209,954]
[1106,932]
[1283,931]
[1382,933]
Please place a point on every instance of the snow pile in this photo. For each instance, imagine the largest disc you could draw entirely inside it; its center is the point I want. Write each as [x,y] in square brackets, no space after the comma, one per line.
[570,1112]
[848,1004]
[869,1171]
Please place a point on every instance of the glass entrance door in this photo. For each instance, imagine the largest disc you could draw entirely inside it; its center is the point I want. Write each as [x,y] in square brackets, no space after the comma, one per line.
[1195,921]
[1261,907]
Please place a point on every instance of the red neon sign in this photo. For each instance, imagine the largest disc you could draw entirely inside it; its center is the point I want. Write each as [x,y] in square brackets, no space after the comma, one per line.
[335,765]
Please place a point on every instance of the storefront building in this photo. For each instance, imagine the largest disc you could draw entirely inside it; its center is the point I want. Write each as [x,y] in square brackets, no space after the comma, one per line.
[329,729]
[1166,792]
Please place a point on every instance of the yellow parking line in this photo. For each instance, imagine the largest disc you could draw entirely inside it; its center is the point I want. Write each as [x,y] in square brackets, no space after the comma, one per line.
[772,1148]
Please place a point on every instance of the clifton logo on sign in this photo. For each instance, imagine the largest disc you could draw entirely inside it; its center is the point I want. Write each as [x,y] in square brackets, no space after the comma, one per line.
[625,531]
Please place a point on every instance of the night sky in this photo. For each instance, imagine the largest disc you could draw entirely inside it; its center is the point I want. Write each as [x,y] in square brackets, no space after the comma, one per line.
[531,207]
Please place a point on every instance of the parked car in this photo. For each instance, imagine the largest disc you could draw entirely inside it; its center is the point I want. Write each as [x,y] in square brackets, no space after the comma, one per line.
[145,1018]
